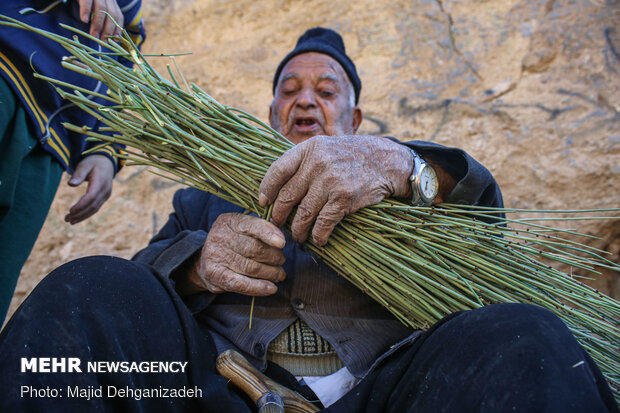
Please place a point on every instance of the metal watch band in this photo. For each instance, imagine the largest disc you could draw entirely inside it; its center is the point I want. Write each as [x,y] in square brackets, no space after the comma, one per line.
[418,164]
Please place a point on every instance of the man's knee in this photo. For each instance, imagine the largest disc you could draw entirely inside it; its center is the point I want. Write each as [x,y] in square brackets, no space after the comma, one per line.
[99,278]
[517,316]
[98,288]
[99,271]
[520,327]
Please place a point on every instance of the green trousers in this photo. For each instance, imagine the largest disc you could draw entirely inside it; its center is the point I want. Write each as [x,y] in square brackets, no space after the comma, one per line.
[29,177]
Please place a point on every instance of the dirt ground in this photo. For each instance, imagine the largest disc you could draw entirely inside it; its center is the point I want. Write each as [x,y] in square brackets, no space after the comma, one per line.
[529,88]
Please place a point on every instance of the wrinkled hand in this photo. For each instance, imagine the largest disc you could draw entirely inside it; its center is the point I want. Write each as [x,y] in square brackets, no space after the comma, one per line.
[102,24]
[98,171]
[329,177]
[242,254]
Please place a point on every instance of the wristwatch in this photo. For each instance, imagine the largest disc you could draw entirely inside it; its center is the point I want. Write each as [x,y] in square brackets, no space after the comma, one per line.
[424,182]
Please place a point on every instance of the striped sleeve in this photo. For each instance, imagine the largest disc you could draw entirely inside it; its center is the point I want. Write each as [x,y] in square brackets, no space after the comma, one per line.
[113,151]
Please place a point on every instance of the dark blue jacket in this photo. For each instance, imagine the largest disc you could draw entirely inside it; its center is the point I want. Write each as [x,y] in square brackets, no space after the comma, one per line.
[23,52]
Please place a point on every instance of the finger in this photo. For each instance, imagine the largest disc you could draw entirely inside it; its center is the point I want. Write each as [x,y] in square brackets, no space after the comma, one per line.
[109,27]
[289,196]
[114,21]
[307,212]
[257,250]
[328,218]
[85,8]
[81,173]
[97,192]
[257,228]
[117,31]
[79,213]
[254,269]
[85,208]
[279,173]
[117,15]
[97,22]
[231,281]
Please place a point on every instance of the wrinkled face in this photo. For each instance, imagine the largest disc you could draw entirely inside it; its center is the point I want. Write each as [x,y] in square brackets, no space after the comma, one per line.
[314,97]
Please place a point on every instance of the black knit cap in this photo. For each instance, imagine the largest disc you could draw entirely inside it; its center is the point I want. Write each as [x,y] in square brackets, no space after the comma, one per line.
[328,42]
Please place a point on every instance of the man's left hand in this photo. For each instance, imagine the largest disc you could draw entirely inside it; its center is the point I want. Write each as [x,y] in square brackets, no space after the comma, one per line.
[98,171]
[329,177]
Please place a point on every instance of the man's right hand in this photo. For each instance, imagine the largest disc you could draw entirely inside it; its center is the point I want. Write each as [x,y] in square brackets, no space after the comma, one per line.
[242,254]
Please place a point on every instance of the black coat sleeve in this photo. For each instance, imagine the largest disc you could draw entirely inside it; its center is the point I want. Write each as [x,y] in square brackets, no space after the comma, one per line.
[475,184]
[181,237]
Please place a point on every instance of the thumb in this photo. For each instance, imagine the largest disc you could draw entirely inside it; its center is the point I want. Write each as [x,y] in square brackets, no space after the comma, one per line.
[80,174]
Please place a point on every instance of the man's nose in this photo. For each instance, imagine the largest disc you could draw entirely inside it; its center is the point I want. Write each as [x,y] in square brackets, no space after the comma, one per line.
[306,98]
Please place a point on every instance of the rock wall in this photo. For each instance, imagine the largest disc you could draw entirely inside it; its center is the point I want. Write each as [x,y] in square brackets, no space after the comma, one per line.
[531,88]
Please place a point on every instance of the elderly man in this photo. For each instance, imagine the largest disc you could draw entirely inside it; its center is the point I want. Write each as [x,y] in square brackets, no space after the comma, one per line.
[186,297]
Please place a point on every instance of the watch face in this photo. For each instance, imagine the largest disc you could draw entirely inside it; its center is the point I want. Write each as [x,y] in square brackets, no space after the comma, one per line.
[428,183]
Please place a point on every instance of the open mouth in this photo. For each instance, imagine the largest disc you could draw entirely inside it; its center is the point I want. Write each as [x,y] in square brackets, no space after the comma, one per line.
[306,125]
[305,122]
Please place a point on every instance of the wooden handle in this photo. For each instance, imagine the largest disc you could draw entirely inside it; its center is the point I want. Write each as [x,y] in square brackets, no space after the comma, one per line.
[244,375]
[237,369]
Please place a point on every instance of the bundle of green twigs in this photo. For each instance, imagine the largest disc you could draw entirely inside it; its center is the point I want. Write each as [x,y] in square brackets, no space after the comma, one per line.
[422,263]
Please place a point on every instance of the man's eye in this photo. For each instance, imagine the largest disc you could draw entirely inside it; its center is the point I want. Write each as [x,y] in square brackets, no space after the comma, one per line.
[326,93]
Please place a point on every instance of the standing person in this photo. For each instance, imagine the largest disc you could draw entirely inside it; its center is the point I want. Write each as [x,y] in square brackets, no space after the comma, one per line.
[34,147]
[187,297]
